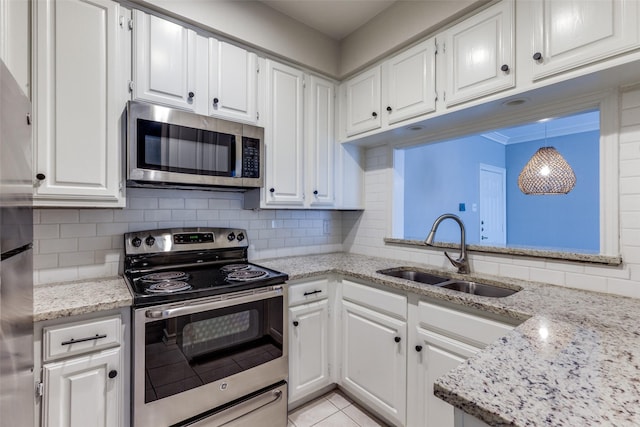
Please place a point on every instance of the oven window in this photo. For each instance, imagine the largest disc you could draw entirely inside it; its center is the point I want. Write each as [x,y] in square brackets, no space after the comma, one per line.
[172,148]
[185,352]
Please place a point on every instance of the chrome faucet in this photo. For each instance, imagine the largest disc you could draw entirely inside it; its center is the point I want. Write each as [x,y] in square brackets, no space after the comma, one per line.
[462,263]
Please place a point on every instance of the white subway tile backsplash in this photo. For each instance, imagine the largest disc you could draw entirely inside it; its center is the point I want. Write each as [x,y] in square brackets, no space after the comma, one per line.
[59,216]
[157,215]
[42,261]
[77,230]
[587,282]
[52,246]
[94,243]
[96,215]
[76,258]
[46,231]
[86,243]
[173,203]
[196,204]
[143,203]
[128,215]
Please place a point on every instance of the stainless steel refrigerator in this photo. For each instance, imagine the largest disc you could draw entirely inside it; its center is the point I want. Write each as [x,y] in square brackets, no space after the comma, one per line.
[16,262]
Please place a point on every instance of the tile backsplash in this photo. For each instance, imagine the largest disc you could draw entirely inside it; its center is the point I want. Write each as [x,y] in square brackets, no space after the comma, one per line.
[72,244]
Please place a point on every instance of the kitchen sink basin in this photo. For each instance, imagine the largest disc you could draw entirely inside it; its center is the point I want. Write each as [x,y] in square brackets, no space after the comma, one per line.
[468,287]
[475,288]
[414,275]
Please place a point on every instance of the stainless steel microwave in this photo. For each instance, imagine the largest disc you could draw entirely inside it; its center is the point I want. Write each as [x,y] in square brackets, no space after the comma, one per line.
[167,147]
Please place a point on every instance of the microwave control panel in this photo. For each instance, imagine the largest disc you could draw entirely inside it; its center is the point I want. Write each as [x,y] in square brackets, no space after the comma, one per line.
[250,157]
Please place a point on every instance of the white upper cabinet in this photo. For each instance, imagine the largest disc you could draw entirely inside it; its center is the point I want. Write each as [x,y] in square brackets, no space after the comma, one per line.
[479,54]
[409,81]
[320,142]
[80,74]
[233,78]
[569,34]
[284,135]
[170,64]
[362,102]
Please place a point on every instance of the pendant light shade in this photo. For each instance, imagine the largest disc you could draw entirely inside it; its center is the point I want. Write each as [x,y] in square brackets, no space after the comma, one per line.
[547,172]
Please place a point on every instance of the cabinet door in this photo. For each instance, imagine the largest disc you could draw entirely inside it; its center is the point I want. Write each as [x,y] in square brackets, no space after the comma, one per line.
[362,102]
[81,392]
[479,54]
[167,57]
[80,92]
[320,153]
[374,364]
[308,348]
[409,82]
[568,34]
[233,81]
[433,356]
[284,135]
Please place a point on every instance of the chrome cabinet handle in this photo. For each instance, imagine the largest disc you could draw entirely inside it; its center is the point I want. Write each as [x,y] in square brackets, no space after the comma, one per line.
[72,341]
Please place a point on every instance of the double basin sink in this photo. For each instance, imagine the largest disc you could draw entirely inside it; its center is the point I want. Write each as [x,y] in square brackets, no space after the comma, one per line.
[468,287]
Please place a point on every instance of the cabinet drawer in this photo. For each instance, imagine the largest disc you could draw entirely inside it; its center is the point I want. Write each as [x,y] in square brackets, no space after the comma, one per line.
[377,299]
[465,327]
[306,292]
[81,337]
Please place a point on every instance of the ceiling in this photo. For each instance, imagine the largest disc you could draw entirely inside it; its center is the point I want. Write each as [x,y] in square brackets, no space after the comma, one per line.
[549,128]
[334,18]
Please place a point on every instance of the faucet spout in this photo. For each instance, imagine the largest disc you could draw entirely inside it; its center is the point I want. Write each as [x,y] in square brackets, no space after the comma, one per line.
[461,263]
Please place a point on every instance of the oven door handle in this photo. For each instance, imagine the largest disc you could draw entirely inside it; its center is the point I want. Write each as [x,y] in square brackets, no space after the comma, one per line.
[227,301]
[240,410]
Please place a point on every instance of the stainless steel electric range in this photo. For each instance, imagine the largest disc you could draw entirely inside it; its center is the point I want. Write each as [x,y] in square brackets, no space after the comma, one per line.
[209,338]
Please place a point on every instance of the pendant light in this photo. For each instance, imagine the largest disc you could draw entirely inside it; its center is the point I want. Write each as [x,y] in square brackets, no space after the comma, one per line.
[547,172]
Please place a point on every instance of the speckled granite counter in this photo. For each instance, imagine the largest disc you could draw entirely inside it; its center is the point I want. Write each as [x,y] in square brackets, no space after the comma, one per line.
[574,362]
[72,298]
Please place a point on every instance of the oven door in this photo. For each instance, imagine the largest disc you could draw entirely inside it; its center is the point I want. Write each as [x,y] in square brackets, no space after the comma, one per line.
[194,356]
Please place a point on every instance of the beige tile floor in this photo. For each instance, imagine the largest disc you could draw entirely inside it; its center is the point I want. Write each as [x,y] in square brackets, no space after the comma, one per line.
[334,409]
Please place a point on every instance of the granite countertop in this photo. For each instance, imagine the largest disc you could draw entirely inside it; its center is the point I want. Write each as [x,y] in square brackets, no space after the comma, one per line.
[57,300]
[573,361]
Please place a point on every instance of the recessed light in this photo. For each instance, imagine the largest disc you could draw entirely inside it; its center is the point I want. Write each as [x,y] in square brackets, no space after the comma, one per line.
[515,101]
[415,128]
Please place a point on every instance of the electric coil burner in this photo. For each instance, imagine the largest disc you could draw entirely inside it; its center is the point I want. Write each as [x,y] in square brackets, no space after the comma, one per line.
[210,340]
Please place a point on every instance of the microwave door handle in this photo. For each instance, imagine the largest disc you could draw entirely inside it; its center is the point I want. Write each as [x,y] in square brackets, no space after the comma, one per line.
[212,305]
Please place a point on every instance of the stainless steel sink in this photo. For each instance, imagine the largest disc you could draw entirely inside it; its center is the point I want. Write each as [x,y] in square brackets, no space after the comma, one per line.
[468,287]
[414,275]
[476,288]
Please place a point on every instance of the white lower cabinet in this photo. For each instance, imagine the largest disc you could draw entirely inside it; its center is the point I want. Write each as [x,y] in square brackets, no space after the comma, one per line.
[84,372]
[388,348]
[309,339]
[432,357]
[373,355]
[83,391]
[441,339]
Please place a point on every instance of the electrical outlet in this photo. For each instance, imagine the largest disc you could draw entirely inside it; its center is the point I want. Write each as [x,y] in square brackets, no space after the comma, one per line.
[325,227]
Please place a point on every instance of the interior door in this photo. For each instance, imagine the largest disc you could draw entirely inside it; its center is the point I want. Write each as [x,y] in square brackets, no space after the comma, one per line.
[493,210]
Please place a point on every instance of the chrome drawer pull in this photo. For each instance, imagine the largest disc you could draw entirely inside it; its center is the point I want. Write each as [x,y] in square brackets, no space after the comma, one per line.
[72,341]
[311,293]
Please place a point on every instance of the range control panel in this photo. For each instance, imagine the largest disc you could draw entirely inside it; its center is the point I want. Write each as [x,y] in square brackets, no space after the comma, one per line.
[183,239]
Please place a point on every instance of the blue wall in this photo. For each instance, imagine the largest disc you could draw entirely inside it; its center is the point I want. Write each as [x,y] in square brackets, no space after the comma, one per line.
[569,221]
[440,176]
